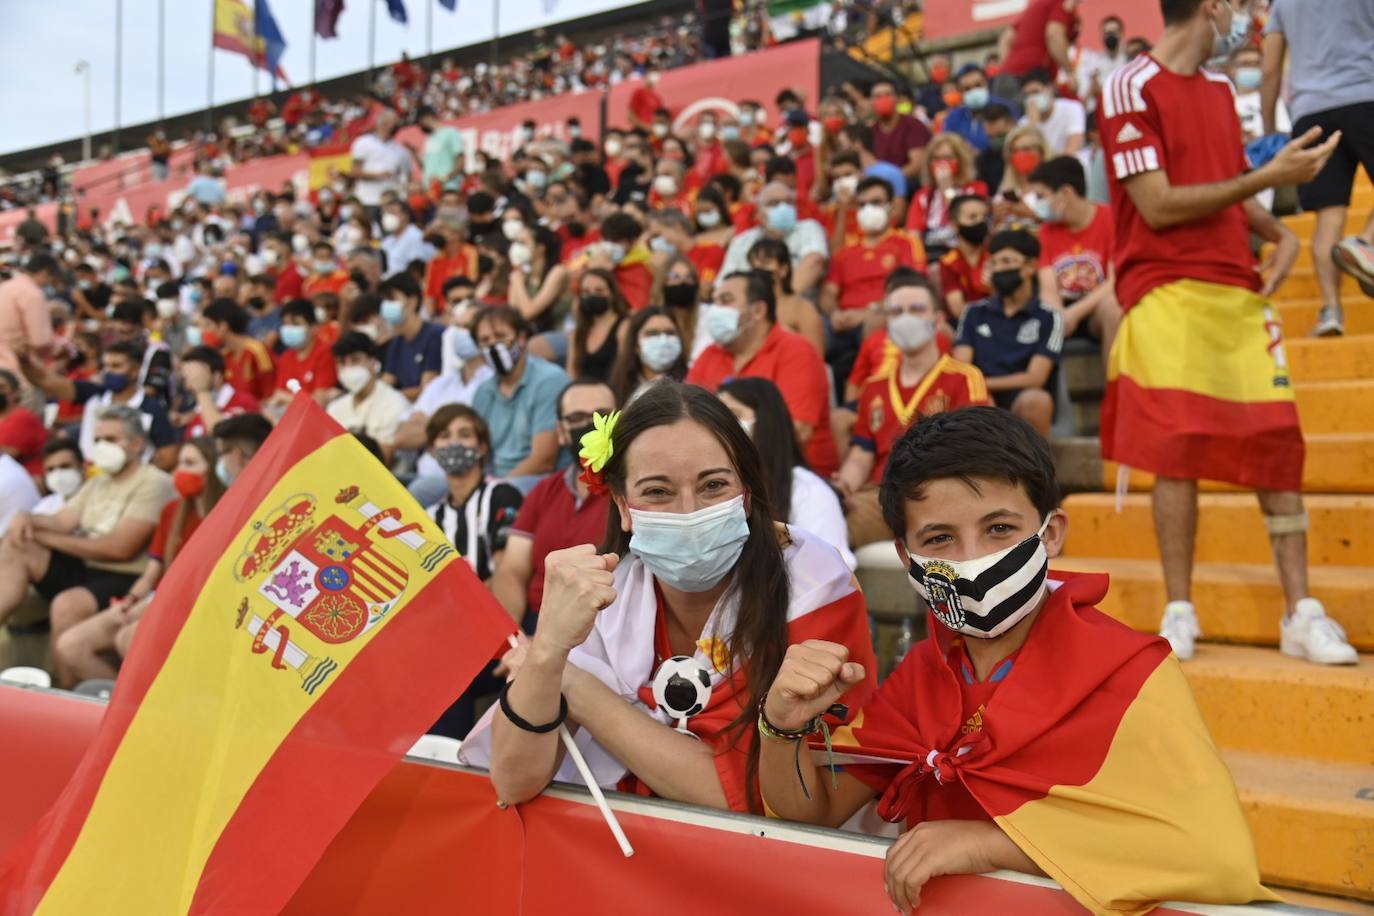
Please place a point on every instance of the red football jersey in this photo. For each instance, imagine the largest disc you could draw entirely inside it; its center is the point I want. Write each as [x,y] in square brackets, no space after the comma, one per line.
[1153,118]
[957,273]
[1079,259]
[860,271]
[887,408]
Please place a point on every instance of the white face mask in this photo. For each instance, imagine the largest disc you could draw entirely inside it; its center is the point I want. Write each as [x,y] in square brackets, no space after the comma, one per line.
[987,596]
[511,229]
[109,457]
[910,333]
[63,481]
[872,218]
[354,378]
[167,308]
[391,222]
[520,254]
[848,184]
[665,185]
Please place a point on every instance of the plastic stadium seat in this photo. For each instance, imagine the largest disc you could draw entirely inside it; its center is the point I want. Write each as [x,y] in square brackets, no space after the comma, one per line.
[28,677]
[436,747]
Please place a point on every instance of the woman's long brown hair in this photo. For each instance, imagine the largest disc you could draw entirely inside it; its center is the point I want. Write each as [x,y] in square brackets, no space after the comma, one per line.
[583,325]
[760,635]
[212,492]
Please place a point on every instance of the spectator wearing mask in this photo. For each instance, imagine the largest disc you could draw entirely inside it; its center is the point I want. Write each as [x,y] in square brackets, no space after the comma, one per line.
[82,651]
[920,382]
[674,237]
[305,358]
[381,163]
[1062,122]
[1042,39]
[678,290]
[753,124]
[402,240]
[559,512]
[1246,70]
[263,317]
[454,310]
[457,258]
[413,354]
[897,138]
[90,294]
[21,432]
[442,159]
[214,399]
[237,440]
[1331,76]
[796,314]
[800,153]
[369,404]
[1025,150]
[966,119]
[805,239]
[991,164]
[207,188]
[538,278]
[748,342]
[621,252]
[668,190]
[223,326]
[287,280]
[600,323]
[64,471]
[1076,242]
[133,320]
[1012,339]
[795,492]
[653,351]
[91,551]
[963,269]
[25,319]
[1094,66]
[947,174]
[520,402]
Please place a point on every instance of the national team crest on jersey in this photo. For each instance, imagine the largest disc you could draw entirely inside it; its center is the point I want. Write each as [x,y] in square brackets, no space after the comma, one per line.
[323,578]
[875,413]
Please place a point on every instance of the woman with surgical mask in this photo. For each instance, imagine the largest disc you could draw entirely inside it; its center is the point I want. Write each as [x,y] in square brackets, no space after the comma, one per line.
[678,288]
[538,278]
[714,232]
[657,352]
[600,324]
[797,493]
[695,603]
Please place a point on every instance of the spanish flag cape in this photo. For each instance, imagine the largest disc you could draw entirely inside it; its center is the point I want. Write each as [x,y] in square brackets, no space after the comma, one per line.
[309,631]
[1092,757]
[620,652]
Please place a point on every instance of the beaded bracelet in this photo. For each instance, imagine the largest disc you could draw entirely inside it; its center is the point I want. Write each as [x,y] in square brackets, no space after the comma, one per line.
[818,724]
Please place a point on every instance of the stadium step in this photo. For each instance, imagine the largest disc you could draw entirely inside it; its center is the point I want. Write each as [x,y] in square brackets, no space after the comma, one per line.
[1336,463]
[1236,602]
[1302,284]
[1314,360]
[1230,529]
[1312,822]
[1303,223]
[1299,317]
[1340,406]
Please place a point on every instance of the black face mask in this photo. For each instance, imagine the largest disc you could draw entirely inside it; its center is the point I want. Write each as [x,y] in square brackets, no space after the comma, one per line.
[257,303]
[680,295]
[577,435]
[595,306]
[480,227]
[485,263]
[4,402]
[976,234]
[576,229]
[1007,282]
[1111,42]
[359,280]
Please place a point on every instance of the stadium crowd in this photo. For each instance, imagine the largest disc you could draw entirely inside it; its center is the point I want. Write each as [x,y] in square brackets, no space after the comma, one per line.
[882,253]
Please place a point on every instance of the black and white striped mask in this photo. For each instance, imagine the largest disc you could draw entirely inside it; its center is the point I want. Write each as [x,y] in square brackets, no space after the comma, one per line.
[985,597]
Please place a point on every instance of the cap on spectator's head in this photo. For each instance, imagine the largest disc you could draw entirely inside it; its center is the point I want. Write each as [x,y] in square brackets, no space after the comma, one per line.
[1017,239]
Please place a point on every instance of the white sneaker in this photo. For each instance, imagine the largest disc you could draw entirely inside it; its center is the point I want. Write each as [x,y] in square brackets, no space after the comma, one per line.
[1330,322]
[1310,634]
[1180,627]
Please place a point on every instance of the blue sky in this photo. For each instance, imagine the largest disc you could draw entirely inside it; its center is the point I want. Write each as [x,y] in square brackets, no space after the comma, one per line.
[41,100]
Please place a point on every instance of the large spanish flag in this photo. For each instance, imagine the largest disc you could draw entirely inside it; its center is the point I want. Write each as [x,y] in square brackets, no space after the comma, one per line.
[315,625]
[1198,388]
[1091,755]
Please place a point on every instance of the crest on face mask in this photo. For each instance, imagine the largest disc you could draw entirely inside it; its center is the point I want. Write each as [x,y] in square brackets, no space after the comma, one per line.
[942,596]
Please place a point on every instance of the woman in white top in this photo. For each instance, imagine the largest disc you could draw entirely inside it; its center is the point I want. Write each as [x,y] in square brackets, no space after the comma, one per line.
[798,494]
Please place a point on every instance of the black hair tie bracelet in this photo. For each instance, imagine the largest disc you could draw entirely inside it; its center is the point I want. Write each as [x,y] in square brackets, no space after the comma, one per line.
[528,726]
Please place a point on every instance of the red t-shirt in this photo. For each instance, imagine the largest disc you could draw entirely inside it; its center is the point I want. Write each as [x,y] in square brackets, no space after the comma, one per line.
[644,102]
[887,407]
[443,266]
[1079,259]
[895,145]
[551,518]
[1028,48]
[708,260]
[289,285]
[636,283]
[789,361]
[1153,119]
[860,271]
[314,369]
[957,273]
[23,432]
[235,403]
[250,370]
[324,283]
[157,550]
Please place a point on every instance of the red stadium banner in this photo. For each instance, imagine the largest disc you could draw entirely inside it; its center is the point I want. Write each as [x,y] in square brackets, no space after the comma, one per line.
[719,85]
[947,18]
[430,839]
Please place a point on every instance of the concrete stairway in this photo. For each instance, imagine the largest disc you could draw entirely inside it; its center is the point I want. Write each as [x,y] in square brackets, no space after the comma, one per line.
[1299,737]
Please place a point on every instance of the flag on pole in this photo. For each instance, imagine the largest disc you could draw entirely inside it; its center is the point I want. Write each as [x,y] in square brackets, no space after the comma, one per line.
[237,30]
[310,631]
[271,44]
[397,10]
[327,13]
[450,5]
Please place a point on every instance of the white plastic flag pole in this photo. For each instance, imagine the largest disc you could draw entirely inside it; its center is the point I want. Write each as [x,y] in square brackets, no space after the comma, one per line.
[581,763]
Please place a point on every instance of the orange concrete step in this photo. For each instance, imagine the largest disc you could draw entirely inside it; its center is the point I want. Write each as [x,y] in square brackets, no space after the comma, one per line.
[1302,284]
[1312,359]
[1299,317]
[1342,406]
[1303,223]
[1230,529]
[1312,822]
[1336,463]
[1236,602]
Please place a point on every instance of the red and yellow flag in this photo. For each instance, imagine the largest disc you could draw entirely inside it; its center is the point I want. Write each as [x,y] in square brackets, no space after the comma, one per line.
[1091,755]
[312,629]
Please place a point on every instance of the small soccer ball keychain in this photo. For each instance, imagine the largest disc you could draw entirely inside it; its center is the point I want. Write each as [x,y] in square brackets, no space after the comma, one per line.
[682,687]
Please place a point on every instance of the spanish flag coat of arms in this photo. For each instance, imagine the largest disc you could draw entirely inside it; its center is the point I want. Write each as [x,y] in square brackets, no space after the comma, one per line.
[314,626]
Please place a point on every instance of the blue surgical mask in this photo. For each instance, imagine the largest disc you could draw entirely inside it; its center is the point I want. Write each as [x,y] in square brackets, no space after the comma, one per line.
[690,552]
[194,338]
[116,382]
[222,471]
[292,336]
[660,351]
[464,347]
[1248,78]
[615,252]
[1233,40]
[393,312]
[729,132]
[660,245]
[782,218]
[197,294]
[722,323]
[1042,209]
[977,98]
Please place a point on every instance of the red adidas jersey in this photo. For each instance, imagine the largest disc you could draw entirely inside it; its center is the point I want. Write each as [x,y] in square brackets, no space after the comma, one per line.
[859,272]
[1153,118]
[887,408]
[958,273]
